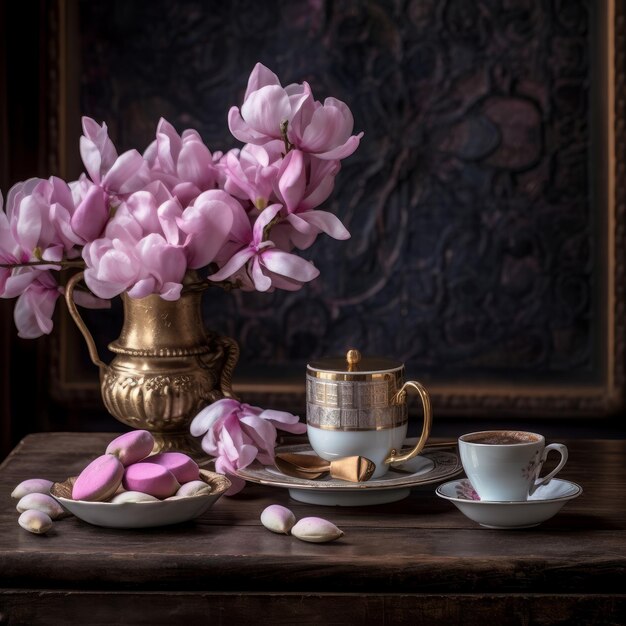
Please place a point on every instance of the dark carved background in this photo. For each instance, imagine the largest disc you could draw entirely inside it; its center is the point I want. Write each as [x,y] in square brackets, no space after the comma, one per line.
[473,245]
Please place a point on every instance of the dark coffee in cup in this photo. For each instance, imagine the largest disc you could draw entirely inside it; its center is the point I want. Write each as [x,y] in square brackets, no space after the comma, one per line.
[501,437]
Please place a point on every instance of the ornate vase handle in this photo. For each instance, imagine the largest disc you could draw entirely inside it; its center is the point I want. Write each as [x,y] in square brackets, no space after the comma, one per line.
[71,305]
[400,398]
[231,350]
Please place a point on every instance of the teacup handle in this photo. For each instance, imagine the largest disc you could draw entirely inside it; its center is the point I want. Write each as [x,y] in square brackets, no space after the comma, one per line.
[559,447]
[400,398]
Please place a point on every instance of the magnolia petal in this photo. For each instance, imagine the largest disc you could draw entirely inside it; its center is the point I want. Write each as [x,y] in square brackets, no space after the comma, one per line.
[235,263]
[240,129]
[90,155]
[343,151]
[129,173]
[143,288]
[33,311]
[260,77]
[261,281]
[289,265]
[205,419]
[265,109]
[193,165]
[292,179]
[327,223]
[90,217]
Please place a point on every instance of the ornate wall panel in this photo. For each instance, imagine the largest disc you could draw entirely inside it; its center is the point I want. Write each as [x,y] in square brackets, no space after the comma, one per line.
[481,202]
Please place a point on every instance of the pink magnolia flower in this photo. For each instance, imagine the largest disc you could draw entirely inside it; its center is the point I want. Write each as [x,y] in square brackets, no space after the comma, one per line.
[237,434]
[112,177]
[321,129]
[252,172]
[303,183]
[182,162]
[266,265]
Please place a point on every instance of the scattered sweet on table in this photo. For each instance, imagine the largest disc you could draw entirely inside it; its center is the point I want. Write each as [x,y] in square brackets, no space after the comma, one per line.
[41,502]
[278,519]
[35,522]
[316,530]
[32,485]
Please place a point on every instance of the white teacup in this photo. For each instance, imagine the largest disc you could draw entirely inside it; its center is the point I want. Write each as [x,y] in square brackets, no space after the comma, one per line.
[504,465]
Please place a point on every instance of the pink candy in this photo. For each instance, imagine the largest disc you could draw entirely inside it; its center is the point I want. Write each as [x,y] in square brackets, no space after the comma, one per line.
[184,468]
[99,480]
[131,447]
[150,478]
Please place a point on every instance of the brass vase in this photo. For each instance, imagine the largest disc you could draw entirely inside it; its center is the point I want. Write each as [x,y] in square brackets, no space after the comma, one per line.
[166,366]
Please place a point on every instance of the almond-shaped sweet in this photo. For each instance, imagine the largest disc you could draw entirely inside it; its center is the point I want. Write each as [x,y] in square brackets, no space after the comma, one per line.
[278,519]
[35,522]
[316,530]
[184,468]
[133,496]
[150,478]
[131,447]
[193,488]
[99,480]
[41,502]
[32,485]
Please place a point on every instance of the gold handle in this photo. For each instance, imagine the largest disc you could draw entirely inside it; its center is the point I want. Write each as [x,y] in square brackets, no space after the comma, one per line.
[231,349]
[399,398]
[71,305]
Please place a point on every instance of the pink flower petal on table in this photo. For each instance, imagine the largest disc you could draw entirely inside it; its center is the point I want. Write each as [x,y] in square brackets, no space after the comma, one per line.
[205,419]
[285,421]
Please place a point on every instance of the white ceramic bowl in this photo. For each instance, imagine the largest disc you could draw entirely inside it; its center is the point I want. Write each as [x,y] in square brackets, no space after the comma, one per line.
[141,514]
[546,502]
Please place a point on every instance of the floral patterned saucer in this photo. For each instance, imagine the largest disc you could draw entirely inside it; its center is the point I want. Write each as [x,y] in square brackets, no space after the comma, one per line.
[429,467]
[546,502]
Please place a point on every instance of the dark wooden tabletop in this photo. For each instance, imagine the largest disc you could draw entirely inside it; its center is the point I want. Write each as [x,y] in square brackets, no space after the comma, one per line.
[394,559]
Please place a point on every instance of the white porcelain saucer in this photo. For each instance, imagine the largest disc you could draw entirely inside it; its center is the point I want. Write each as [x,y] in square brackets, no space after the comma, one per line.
[546,502]
[429,467]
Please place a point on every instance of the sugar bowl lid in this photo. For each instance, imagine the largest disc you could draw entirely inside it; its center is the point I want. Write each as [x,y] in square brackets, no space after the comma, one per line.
[354,362]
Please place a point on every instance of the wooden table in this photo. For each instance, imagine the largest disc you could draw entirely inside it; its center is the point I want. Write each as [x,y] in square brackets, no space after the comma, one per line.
[418,561]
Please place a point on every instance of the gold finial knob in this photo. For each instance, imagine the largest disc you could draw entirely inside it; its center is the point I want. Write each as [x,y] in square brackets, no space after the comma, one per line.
[352,357]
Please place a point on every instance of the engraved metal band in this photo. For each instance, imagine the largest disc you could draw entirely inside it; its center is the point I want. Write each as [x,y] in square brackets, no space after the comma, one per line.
[327,418]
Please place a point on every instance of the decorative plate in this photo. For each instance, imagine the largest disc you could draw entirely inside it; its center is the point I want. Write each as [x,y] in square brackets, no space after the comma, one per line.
[141,514]
[429,467]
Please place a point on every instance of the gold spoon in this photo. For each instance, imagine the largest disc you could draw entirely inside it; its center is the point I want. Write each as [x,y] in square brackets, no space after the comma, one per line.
[356,469]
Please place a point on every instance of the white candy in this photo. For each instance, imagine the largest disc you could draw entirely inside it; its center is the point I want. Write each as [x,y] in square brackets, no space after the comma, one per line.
[278,519]
[193,488]
[133,496]
[32,485]
[316,530]
[35,522]
[41,502]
